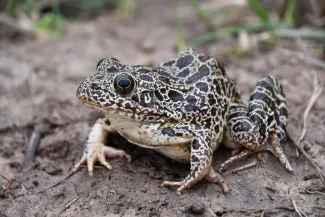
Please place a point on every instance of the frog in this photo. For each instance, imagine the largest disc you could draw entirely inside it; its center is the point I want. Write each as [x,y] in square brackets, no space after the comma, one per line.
[184,108]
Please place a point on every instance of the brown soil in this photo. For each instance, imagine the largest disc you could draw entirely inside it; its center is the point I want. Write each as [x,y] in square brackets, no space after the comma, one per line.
[38,80]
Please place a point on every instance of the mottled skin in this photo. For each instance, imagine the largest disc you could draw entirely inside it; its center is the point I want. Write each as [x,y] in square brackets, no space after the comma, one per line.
[183,109]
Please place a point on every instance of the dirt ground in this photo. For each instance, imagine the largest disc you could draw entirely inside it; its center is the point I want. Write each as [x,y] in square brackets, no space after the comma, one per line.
[38,80]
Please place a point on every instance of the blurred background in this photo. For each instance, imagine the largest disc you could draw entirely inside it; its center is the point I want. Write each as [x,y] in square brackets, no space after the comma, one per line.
[248,25]
[48,47]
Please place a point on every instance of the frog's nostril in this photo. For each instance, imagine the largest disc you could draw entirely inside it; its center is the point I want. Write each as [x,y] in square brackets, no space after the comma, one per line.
[99,76]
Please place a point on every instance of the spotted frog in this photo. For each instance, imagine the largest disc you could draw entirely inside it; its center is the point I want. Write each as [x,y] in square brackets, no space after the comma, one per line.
[184,109]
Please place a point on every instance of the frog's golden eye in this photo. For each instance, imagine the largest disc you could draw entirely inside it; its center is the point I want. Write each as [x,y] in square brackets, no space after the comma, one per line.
[124,83]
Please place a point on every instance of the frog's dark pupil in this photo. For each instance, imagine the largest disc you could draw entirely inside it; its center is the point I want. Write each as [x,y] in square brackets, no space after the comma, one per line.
[124,83]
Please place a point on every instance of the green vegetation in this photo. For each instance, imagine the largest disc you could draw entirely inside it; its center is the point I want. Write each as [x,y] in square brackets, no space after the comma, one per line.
[51,19]
[180,39]
[282,27]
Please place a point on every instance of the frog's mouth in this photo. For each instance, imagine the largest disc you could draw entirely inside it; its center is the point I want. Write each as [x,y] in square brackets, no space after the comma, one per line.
[98,106]
[115,110]
[126,112]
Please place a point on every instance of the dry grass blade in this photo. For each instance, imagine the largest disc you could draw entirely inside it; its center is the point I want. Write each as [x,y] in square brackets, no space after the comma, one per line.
[321,175]
[70,203]
[298,210]
[316,93]
[56,184]
[8,184]
[262,215]
[315,192]
[244,167]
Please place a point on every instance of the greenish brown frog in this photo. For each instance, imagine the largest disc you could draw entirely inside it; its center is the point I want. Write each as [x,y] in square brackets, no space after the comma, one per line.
[183,109]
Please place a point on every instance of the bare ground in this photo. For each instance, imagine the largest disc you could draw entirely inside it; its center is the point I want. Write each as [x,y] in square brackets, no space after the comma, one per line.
[38,80]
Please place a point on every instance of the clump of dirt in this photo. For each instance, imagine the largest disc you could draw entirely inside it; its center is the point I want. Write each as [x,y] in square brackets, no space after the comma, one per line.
[38,80]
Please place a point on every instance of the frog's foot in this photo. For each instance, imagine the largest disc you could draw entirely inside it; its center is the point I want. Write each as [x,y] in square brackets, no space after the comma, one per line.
[96,150]
[99,152]
[234,159]
[212,177]
[215,177]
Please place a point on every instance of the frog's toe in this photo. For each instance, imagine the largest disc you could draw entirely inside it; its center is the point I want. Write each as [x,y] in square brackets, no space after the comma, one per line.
[174,184]
[102,160]
[113,152]
[82,161]
[171,184]
[99,152]
[215,177]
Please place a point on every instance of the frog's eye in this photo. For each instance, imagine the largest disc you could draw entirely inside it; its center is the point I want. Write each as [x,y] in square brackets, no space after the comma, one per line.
[124,83]
[100,62]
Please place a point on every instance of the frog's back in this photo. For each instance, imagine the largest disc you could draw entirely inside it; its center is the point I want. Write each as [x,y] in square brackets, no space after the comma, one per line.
[210,88]
[194,69]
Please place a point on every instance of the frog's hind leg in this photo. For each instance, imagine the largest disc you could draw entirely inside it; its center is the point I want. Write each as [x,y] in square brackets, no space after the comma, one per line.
[263,121]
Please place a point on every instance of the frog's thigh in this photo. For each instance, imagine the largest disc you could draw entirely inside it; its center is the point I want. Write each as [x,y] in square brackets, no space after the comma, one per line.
[175,141]
[173,135]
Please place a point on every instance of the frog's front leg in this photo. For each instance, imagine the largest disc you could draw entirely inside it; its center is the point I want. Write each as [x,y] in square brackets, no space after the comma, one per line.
[200,157]
[95,148]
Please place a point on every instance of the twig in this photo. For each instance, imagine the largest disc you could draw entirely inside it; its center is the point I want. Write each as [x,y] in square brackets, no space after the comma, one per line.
[262,215]
[244,167]
[298,210]
[314,192]
[254,210]
[321,175]
[316,93]
[70,203]
[8,185]
[32,146]
[56,184]
[74,200]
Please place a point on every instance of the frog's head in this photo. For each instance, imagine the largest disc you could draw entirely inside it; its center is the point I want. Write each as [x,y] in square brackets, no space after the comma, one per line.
[121,89]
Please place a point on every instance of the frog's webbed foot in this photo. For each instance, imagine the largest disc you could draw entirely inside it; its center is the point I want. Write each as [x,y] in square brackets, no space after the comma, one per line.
[96,150]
